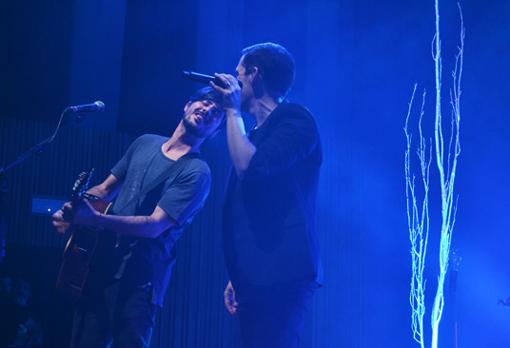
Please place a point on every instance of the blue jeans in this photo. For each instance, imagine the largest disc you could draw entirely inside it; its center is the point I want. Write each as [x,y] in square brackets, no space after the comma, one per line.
[115,317]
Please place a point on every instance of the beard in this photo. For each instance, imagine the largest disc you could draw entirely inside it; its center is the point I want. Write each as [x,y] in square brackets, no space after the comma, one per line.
[190,127]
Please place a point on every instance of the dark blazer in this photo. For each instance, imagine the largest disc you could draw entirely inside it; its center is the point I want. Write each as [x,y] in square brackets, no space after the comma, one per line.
[269,216]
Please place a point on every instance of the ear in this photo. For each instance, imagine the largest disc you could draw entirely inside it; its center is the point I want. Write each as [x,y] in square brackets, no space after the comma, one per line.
[186,107]
[253,72]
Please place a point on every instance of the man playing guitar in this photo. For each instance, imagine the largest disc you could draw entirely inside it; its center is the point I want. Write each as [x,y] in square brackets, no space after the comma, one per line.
[158,186]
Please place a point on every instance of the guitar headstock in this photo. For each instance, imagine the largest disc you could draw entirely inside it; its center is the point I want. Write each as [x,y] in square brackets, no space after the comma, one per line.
[82,184]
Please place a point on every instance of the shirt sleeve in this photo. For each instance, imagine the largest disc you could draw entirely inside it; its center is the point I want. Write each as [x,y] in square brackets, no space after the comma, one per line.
[120,169]
[184,198]
[291,140]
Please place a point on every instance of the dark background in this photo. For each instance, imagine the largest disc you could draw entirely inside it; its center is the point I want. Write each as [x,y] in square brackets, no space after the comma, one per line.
[357,62]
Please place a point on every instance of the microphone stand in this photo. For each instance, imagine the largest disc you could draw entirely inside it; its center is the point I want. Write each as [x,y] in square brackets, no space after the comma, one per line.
[22,158]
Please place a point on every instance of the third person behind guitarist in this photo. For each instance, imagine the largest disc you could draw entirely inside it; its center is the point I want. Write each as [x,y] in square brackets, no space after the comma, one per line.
[158,185]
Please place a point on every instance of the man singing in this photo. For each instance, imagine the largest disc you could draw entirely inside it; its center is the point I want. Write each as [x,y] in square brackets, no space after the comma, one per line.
[270,241]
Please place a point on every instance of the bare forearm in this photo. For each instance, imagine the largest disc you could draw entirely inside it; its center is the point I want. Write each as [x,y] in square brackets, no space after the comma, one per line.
[98,191]
[137,226]
[107,190]
[240,148]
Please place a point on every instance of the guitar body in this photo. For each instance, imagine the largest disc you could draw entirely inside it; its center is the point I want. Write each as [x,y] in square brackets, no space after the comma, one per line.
[79,254]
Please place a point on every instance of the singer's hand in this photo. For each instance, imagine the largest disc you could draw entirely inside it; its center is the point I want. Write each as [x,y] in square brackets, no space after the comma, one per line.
[231,92]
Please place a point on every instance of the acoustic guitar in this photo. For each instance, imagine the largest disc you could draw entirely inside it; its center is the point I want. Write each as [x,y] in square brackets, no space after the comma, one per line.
[83,243]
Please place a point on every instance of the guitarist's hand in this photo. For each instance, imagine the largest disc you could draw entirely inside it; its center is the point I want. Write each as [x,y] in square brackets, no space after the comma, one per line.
[60,220]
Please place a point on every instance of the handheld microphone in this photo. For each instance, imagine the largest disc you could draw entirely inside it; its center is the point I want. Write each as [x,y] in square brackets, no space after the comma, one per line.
[203,78]
[93,107]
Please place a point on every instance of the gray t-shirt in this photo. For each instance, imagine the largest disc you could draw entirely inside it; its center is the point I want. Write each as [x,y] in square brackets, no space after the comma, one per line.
[181,193]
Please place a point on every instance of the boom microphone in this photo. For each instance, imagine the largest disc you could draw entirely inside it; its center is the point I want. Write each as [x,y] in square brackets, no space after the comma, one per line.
[93,107]
[203,78]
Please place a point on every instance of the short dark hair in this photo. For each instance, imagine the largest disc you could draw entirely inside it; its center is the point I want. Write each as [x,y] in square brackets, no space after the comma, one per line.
[275,64]
[207,93]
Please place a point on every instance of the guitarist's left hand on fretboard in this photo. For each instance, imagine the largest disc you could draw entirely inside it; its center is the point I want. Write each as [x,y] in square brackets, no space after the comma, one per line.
[61,220]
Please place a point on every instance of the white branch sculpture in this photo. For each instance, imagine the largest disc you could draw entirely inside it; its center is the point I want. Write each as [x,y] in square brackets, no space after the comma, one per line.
[418,213]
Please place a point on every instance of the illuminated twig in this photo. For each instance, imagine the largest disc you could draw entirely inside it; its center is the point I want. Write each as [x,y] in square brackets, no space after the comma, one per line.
[418,214]
[418,222]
